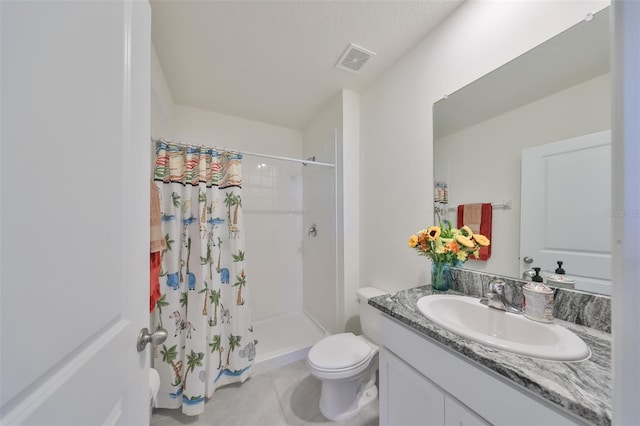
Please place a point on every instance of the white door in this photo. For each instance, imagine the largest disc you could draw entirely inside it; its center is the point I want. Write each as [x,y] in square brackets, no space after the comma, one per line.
[566,209]
[75,212]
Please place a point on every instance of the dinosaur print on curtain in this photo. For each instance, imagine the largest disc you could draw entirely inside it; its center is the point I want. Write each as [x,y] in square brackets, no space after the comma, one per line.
[204,303]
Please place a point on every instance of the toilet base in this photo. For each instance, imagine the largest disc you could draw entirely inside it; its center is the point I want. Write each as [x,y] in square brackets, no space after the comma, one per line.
[337,410]
[343,399]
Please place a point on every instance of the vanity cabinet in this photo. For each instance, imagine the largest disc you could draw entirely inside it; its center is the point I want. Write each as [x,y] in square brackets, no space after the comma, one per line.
[409,398]
[425,383]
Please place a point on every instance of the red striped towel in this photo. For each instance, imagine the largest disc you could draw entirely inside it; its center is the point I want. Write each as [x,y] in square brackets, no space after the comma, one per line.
[157,244]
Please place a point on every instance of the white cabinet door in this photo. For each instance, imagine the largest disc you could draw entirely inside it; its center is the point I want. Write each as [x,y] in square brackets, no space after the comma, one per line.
[75,212]
[566,209]
[407,397]
[456,414]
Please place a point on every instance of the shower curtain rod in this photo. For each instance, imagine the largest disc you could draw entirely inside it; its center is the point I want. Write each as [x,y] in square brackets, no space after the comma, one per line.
[256,154]
[295,160]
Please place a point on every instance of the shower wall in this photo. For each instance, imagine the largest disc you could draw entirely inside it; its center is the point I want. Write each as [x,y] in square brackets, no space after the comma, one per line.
[332,200]
[321,287]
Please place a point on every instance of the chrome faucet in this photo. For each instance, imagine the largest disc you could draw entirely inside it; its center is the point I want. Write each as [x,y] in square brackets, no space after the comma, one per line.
[496,298]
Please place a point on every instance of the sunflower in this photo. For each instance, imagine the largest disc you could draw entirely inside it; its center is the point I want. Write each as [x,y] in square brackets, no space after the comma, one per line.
[413,241]
[465,241]
[481,240]
[466,231]
[433,233]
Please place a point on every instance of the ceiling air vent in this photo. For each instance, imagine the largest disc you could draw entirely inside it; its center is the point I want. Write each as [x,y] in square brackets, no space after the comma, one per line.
[354,58]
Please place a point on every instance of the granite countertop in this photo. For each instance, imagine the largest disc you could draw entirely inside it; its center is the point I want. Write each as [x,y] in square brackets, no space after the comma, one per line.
[582,388]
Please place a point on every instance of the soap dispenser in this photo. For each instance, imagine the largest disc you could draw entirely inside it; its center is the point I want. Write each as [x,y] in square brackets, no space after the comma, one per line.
[537,278]
[559,279]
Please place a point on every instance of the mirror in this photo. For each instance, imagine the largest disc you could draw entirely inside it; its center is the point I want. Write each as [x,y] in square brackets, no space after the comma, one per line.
[557,91]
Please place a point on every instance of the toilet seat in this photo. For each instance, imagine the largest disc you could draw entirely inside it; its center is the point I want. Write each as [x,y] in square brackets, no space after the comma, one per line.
[340,353]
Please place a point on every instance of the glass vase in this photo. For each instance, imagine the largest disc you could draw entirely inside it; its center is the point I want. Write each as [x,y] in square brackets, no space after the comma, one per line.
[440,276]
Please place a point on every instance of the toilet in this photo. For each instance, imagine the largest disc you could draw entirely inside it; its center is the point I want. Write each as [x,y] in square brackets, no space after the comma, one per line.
[347,364]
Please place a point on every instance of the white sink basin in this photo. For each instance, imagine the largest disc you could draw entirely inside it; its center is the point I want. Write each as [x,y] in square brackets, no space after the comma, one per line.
[469,318]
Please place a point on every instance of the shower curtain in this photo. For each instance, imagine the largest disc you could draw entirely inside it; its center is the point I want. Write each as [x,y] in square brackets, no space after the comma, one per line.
[204,303]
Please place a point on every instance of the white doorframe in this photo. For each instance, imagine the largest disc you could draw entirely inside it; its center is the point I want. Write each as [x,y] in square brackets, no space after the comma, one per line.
[626,209]
[136,166]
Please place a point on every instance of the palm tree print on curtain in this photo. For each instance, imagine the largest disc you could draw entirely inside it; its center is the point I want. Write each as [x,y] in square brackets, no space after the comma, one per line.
[205,302]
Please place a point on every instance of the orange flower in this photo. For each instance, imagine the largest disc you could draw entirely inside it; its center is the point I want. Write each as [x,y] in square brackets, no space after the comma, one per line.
[413,241]
[452,246]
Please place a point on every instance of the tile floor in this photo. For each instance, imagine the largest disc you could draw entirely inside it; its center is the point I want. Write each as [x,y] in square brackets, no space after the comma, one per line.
[288,395]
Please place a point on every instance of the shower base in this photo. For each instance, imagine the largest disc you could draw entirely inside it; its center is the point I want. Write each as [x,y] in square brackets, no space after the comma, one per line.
[284,339]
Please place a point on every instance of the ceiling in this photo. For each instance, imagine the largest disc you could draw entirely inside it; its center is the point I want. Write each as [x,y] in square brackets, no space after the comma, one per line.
[274,61]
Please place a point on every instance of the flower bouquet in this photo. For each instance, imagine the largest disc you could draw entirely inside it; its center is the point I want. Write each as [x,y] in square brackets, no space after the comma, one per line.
[446,246]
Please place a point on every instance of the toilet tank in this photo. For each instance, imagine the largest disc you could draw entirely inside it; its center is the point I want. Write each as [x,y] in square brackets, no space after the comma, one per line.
[369,316]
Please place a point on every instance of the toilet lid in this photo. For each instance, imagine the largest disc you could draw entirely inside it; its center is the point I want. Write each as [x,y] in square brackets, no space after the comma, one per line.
[339,351]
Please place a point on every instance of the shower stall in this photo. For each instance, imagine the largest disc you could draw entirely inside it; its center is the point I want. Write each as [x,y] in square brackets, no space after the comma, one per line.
[290,216]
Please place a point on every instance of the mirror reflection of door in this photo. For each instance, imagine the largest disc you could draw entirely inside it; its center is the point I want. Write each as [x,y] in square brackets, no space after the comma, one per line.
[566,209]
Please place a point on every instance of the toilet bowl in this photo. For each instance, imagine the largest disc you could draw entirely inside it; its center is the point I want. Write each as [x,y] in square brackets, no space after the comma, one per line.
[347,365]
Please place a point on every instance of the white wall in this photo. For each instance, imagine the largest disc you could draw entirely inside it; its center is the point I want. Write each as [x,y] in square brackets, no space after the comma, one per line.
[161,101]
[396,172]
[497,143]
[272,201]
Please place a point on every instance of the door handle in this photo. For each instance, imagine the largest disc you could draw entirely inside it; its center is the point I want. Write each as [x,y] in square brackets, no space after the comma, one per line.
[157,337]
[527,259]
